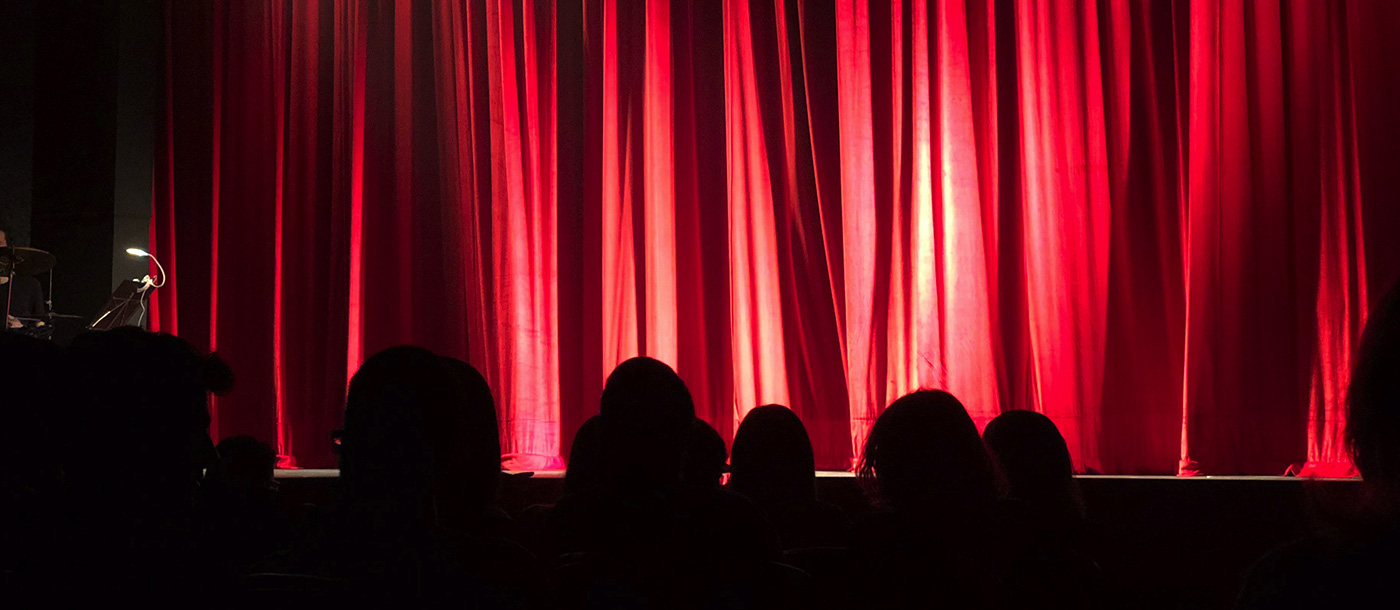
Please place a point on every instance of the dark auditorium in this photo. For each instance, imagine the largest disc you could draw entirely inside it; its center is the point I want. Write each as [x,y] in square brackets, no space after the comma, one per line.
[700,304]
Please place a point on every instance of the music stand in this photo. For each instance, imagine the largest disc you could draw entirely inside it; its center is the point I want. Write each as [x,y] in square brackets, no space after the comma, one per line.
[126,307]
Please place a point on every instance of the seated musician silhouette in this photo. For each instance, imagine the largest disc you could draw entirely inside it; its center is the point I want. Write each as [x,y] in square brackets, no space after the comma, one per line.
[20,295]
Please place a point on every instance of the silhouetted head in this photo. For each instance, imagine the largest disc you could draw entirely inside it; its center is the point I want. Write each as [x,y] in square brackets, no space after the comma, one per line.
[140,412]
[248,465]
[1036,462]
[1373,398]
[705,456]
[586,460]
[646,411]
[772,460]
[473,439]
[924,454]
[399,404]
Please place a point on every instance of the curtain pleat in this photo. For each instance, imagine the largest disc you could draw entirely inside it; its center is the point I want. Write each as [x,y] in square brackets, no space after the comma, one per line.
[1156,222]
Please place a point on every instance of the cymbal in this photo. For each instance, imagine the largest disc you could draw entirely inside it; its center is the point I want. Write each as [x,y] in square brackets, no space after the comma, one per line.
[25,261]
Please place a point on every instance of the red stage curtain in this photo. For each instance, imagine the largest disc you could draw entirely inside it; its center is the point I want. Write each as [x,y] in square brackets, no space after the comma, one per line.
[1156,222]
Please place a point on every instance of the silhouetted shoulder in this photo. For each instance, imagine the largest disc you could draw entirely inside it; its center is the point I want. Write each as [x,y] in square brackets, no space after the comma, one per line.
[810,524]
[1320,573]
[736,522]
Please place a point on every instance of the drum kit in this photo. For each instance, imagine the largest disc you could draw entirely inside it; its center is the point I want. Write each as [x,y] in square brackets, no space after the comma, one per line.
[25,261]
[15,262]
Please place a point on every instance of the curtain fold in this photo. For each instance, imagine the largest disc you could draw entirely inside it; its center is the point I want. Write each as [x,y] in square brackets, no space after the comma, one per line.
[1143,347]
[1063,150]
[1156,222]
[760,366]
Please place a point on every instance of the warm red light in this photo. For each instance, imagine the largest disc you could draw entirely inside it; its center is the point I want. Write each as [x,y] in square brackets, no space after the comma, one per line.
[1134,219]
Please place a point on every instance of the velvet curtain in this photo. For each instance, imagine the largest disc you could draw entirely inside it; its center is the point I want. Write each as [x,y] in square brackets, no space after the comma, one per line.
[1155,221]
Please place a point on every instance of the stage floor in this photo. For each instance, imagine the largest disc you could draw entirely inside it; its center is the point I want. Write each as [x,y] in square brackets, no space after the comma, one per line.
[1166,541]
[331,473]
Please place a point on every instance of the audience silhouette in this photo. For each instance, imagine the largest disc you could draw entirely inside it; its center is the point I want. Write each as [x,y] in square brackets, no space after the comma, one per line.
[1352,564]
[550,528]
[414,490]
[241,499]
[122,489]
[644,538]
[1036,464]
[1043,566]
[247,467]
[928,545]
[471,457]
[135,445]
[583,479]
[646,413]
[31,480]
[773,465]
[706,459]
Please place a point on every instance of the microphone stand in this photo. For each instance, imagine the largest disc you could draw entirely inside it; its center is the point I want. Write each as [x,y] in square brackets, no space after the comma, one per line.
[149,286]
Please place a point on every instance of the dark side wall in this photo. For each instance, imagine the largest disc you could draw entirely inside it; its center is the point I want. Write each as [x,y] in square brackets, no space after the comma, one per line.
[77,137]
[16,118]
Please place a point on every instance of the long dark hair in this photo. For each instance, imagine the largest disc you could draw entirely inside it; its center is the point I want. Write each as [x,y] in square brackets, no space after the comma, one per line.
[587,463]
[471,438]
[1035,460]
[395,401]
[1373,398]
[771,460]
[924,454]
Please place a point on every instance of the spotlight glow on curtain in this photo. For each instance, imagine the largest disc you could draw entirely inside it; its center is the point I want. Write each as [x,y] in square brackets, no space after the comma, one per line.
[1156,222]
